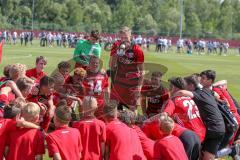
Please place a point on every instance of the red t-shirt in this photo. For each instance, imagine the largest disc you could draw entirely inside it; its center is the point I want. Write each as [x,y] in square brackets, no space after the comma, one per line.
[94,85]
[25,144]
[126,79]
[32,73]
[66,141]
[169,148]
[119,140]
[147,143]
[93,133]
[185,112]
[6,127]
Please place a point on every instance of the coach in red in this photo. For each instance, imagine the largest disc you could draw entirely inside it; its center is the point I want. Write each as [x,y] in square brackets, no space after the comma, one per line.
[126,64]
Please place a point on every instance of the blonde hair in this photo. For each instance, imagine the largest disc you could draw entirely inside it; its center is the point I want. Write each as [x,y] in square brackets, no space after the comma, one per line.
[89,104]
[17,70]
[125,30]
[30,111]
[80,72]
[20,102]
[166,123]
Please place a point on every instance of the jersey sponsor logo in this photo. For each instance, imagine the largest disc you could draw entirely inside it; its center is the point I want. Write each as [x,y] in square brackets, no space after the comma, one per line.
[125,60]
[64,132]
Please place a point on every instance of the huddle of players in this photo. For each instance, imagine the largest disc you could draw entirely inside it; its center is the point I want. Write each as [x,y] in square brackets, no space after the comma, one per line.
[178,123]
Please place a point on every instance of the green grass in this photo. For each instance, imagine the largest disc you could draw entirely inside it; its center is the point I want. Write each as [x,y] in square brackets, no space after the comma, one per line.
[227,67]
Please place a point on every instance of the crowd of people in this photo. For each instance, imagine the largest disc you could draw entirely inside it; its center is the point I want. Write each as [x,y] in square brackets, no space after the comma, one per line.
[82,111]
[163,44]
[202,47]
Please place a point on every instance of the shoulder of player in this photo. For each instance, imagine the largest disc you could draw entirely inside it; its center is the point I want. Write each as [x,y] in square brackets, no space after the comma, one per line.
[136,47]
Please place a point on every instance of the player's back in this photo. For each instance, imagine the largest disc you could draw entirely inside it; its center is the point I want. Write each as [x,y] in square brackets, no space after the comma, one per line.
[93,133]
[66,141]
[169,148]
[119,140]
[187,111]
[25,144]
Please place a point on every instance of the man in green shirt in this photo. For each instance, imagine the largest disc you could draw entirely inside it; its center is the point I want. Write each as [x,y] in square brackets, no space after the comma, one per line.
[87,48]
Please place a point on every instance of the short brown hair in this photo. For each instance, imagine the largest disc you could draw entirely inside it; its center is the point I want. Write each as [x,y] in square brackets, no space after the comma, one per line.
[58,78]
[64,114]
[95,34]
[23,84]
[6,70]
[110,109]
[41,58]
[64,64]
[46,81]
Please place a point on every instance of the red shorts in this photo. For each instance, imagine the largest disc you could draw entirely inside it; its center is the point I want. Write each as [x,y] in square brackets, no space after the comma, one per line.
[125,95]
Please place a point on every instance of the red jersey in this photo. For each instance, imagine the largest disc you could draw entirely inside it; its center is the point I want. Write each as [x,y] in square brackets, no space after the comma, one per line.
[6,127]
[66,141]
[32,73]
[169,148]
[126,80]
[25,144]
[119,140]
[93,133]
[147,143]
[185,112]
[155,98]
[94,85]
[225,96]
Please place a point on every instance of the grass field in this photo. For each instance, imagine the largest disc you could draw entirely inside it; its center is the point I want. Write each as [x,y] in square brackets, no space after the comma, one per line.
[227,67]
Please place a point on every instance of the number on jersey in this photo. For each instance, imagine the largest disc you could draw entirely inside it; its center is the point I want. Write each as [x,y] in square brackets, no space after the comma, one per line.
[192,109]
[95,88]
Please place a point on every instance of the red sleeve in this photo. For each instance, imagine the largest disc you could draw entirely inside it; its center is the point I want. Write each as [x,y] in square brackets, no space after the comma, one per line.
[52,147]
[106,84]
[169,107]
[138,54]
[114,48]
[40,144]
[219,92]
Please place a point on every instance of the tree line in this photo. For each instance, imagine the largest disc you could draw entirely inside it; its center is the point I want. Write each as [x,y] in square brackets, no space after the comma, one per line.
[201,18]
